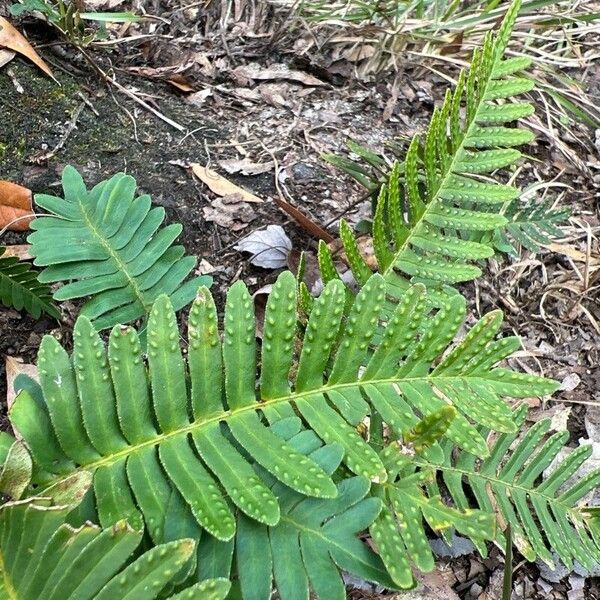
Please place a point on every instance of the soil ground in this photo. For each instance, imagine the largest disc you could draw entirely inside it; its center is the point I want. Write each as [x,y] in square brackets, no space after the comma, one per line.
[551,300]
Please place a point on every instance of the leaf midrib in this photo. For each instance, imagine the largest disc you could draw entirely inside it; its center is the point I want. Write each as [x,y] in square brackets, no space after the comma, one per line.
[413,231]
[224,416]
[113,254]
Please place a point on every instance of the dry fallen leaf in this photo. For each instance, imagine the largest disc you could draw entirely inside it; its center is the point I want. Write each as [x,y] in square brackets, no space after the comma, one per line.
[15,203]
[21,251]
[229,211]
[246,166]
[269,247]
[221,186]
[573,253]
[10,38]
[245,74]
[14,367]
[6,56]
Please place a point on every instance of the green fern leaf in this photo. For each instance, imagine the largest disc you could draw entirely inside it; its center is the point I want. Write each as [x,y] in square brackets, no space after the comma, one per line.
[21,289]
[41,556]
[314,539]
[434,215]
[399,532]
[529,226]
[109,245]
[173,453]
[544,514]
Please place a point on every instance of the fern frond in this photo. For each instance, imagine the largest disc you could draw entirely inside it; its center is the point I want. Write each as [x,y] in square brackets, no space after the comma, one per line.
[507,487]
[110,246]
[42,556]
[543,512]
[434,209]
[314,538]
[20,288]
[149,438]
[399,531]
[529,226]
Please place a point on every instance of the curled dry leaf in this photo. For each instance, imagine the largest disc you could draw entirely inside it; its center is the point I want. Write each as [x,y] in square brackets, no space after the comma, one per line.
[15,203]
[269,247]
[14,367]
[11,39]
[246,166]
[21,251]
[221,186]
[230,212]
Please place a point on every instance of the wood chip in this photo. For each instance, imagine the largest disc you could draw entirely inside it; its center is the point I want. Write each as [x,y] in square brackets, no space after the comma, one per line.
[221,186]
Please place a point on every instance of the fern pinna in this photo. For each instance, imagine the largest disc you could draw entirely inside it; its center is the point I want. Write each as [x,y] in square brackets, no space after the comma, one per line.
[186,454]
[430,216]
[20,288]
[109,245]
[529,226]
[545,514]
[42,556]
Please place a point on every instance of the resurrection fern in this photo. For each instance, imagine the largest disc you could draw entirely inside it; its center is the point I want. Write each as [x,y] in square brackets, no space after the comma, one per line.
[20,288]
[431,215]
[42,556]
[529,226]
[94,411]
[110,246]
[543,514]
[314,538]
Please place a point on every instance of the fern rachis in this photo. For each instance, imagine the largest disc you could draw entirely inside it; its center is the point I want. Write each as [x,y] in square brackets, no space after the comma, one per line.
[97,411]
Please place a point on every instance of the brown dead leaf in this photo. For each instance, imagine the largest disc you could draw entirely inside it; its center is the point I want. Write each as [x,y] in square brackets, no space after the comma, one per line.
[181,83]
[6,56]
[573,253]
[14,367]
[221,186]
[15,202]
[10,38]
[304,221]
[20,251]
[230,211]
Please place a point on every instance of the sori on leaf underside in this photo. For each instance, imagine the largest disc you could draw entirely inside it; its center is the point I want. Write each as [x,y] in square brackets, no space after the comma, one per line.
[190,447]
[44,556]
[440,211]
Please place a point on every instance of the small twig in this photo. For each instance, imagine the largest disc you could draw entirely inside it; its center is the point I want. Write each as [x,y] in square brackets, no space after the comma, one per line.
[305,222]
[129,93]
[508,573]
[29,216]
[63,140]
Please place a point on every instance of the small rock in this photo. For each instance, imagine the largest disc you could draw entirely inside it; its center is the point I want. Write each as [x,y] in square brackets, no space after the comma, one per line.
[303,171]
[459,547]
[474,592]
